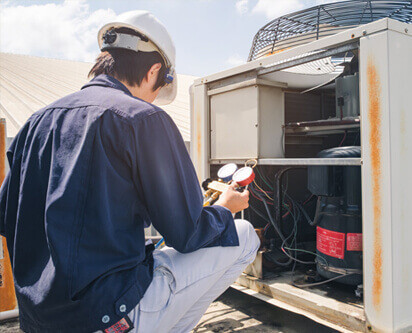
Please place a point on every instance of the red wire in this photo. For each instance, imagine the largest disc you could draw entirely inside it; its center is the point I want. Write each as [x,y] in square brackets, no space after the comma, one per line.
[308,199]
[343,140]
[263,191]
[256,197]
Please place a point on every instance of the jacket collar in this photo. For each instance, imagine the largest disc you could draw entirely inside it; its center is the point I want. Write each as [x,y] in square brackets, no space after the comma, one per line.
[104,80]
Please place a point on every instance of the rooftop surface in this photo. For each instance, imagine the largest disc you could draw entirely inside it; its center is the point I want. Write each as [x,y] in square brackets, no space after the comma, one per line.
[29,83]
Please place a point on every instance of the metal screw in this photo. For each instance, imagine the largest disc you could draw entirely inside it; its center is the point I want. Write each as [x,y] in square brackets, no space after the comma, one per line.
[364,32]
[122,308]
[105,319]
[406,30]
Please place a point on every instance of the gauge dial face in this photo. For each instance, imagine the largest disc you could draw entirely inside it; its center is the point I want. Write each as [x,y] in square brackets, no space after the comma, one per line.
[226,172]
[244,176]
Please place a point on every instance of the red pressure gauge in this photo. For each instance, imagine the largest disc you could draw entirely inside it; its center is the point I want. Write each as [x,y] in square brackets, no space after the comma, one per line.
[244,176]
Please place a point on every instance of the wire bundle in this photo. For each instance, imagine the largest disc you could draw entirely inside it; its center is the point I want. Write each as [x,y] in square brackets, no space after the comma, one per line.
[289,243]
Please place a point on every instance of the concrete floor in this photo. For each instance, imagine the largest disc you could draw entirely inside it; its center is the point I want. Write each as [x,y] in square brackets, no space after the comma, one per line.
[237,312]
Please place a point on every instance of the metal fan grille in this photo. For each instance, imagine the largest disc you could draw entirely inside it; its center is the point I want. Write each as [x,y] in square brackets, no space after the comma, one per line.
[324,20]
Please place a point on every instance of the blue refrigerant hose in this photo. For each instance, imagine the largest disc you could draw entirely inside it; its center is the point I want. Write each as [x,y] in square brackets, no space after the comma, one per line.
[159,243]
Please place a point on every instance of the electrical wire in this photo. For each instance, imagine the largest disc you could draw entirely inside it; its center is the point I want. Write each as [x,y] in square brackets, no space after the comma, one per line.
[260,215]
[264,179]
[259,197]
[296,211]
[306,285]
[269,192]
[343,140]
[309,252]
[279,232]
[254,182]
[308,199]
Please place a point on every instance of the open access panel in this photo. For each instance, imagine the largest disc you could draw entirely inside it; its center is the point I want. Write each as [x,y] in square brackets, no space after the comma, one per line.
[329,124]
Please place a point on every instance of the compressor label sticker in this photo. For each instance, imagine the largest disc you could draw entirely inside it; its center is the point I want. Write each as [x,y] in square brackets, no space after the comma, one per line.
[354,242]
[331,243]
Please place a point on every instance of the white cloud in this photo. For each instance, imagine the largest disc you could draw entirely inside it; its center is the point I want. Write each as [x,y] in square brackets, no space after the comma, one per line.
[235,60]
[242,6]
[273,9]
[65,30]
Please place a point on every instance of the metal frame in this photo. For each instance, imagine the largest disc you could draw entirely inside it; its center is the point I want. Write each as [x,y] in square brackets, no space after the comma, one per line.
[344,37]
[296,161]
[305,59]
[385,81]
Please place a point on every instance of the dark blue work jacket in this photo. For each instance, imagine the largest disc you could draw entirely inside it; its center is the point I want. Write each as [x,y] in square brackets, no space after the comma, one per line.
[87,174]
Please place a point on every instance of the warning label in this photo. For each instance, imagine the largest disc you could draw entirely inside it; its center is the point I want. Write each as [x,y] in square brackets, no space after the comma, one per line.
[354,242]
[331,243]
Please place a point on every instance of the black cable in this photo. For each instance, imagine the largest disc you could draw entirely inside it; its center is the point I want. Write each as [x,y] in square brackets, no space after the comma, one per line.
[259,213]
[287,263]
[306,285]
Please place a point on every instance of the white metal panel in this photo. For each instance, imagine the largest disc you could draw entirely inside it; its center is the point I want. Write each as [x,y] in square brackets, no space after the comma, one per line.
[376,187]
[234,123]
[271,119]
[246,121]
[400,88]
[385,73]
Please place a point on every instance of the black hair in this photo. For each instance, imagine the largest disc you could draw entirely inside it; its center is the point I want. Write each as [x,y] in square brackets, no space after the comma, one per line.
[129,65]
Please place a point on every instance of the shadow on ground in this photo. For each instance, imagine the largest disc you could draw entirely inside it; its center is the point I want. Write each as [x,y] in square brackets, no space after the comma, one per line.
[235,311]
[238,312]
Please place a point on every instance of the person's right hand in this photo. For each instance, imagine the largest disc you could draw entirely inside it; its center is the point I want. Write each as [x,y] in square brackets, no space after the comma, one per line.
[233,200]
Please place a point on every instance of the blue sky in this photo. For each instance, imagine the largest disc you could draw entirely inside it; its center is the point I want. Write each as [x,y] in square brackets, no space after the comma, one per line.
[210,35]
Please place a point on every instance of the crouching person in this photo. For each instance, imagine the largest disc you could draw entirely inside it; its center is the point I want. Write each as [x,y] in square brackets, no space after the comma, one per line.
[88,173]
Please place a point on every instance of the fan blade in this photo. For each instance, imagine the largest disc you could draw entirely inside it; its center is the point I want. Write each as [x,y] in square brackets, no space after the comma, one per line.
[322,84]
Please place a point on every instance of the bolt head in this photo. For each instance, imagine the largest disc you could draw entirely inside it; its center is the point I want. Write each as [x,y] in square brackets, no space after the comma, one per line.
[122,308]
[105,319]
[364,32]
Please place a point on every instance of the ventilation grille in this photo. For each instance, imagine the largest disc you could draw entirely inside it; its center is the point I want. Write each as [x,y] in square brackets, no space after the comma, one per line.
[313,23]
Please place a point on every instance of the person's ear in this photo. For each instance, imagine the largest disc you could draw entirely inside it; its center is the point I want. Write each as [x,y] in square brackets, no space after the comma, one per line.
[153,73]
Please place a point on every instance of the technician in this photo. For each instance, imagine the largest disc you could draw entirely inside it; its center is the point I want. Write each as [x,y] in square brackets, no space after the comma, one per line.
[88,173]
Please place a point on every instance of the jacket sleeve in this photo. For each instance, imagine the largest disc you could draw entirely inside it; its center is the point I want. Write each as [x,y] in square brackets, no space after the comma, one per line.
[3,204]
[171,191]
[4,190]
[9,188]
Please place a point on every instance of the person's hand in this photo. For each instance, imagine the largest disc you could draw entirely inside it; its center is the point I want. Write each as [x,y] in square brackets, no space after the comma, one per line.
[233,200]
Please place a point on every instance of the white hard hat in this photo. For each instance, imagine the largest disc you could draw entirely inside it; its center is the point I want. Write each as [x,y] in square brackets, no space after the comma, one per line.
[158,39]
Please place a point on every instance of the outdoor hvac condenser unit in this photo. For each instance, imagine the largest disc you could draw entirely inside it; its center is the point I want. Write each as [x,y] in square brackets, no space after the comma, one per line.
[323,106]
